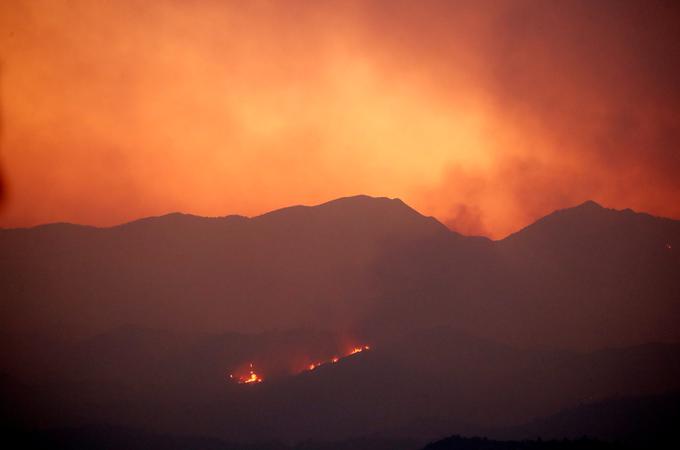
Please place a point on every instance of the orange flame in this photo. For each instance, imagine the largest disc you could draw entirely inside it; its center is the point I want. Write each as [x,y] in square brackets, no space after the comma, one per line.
[252,377]
[335,359]
[359,349]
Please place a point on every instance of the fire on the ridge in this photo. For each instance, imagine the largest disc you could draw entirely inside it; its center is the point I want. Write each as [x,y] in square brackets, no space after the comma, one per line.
[251,377]
[335,359]
[359,349]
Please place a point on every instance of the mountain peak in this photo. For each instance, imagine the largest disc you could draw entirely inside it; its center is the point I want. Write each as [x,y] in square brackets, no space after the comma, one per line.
[590,220]
[366,201]
[589,204]
[358,207]
[351,202]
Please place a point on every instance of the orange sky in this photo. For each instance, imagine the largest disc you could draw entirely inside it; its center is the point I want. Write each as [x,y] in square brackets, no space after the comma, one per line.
[486,115]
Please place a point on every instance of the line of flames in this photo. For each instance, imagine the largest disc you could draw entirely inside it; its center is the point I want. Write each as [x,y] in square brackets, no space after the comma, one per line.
[254,378]
[335,359]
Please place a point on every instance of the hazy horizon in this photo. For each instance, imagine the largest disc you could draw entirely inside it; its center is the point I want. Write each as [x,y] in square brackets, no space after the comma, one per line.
[486,115]
[284,207]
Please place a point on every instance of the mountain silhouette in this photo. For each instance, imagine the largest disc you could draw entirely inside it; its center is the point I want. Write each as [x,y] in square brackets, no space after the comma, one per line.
[426,384]
[580,278]
[295,266]
[141,324]
[640,422]
[583,278]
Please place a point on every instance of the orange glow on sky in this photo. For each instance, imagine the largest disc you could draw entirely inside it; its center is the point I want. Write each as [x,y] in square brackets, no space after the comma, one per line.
[486,115]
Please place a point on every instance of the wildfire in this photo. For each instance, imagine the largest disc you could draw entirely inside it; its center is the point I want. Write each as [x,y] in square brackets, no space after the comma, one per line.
[335,359]
[252,377]
[359,349]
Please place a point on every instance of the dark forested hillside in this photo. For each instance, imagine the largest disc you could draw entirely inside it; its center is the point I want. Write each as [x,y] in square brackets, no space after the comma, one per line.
[582,278]
[153,323]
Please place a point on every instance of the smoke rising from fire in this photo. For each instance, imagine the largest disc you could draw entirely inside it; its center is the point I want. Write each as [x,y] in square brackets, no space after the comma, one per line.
[484,114]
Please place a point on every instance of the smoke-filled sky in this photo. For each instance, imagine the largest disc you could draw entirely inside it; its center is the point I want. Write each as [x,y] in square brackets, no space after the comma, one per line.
[485,114]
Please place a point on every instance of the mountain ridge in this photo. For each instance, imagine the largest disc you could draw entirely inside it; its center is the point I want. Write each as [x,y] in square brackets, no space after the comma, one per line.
[361,264]
[355,200]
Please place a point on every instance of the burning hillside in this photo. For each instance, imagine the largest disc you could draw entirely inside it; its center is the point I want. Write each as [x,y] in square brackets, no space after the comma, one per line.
[252,377]
[336,359]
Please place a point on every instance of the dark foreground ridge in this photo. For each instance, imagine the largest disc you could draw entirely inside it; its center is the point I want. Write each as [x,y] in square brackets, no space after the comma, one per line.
[477,443]
[118,438]
[111,438]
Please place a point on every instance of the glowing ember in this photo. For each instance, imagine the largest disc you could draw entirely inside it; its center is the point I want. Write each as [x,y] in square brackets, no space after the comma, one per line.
[359,349]
[335,359]
[252,377]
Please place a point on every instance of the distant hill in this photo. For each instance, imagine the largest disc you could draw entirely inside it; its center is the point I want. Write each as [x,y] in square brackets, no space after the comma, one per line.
[637,421]
[140,325]
[425,384]
[462,443]
[116,438]
[626,422]
[590,274]
[582,278]
[309,266]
